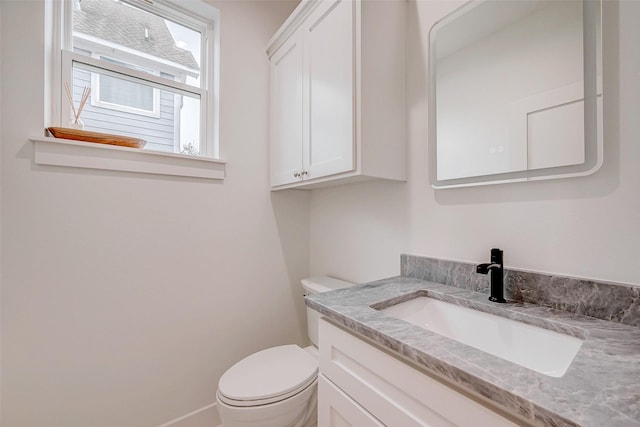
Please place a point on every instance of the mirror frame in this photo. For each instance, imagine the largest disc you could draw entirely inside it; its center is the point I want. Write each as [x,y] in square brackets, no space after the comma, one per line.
[593,116]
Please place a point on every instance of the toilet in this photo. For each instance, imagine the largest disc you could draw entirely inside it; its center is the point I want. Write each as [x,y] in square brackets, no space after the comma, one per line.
[276,387]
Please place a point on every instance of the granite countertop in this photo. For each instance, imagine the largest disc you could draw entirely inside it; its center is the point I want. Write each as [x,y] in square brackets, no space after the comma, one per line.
[601,388]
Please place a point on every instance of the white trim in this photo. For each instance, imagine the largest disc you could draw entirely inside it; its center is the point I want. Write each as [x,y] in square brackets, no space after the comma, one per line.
[177,106]
[121,72]
[206,414]
[53,69]
[211,125]
[76,154]
[290,25]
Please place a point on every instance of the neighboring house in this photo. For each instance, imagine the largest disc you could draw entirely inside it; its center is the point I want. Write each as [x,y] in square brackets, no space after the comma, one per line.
[114,31]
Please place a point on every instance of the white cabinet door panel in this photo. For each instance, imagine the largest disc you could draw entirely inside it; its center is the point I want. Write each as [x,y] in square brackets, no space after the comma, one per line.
[336,409]
[286,112]
[392,391]
[329,86]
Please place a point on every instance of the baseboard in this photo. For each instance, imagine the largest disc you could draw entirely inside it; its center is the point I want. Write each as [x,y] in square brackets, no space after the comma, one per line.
[207,416]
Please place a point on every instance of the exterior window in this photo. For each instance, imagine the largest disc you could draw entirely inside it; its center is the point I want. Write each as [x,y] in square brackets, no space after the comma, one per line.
[150,69]
[122,95]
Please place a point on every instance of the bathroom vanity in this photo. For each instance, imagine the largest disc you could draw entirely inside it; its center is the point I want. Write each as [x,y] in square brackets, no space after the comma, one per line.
[377,369]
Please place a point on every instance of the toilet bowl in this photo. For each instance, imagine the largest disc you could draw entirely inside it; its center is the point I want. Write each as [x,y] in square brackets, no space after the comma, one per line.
[276,387]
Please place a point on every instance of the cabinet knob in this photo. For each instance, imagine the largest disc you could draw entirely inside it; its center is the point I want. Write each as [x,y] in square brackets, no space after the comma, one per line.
[304,173]
[296,174]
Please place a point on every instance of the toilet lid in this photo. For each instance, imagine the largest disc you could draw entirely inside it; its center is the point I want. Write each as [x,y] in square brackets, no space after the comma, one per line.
[268,376]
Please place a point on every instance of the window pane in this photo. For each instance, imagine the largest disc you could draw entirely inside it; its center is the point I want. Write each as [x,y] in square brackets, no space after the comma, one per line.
[133,36]
[167,120]
[190,129]
[124,93]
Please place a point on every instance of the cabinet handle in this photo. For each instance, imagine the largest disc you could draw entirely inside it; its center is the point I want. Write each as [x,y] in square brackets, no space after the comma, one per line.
[296,174]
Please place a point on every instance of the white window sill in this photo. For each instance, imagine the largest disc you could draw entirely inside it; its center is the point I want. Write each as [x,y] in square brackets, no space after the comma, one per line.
[76,154]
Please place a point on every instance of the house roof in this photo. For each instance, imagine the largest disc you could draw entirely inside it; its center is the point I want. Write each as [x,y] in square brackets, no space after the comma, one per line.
[120,23]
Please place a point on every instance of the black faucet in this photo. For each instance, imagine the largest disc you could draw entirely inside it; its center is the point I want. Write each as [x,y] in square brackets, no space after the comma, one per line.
[497,275]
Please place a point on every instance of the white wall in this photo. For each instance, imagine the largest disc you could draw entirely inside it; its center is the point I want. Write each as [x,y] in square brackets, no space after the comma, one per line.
[1,173]
[586,227]
[125,296]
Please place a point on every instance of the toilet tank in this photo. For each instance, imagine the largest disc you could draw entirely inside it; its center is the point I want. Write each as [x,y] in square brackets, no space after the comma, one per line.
[317,285]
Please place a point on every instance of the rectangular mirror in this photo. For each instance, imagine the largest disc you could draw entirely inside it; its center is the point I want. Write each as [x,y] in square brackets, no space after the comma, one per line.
[515,92]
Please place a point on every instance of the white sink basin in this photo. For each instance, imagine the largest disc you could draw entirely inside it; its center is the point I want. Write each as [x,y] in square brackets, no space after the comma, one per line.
[539,349]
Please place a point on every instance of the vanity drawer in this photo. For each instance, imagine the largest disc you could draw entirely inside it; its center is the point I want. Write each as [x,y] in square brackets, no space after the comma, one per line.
[392,391]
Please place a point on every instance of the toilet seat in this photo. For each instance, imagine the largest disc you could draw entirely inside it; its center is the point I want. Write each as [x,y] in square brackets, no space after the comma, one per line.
[268,376]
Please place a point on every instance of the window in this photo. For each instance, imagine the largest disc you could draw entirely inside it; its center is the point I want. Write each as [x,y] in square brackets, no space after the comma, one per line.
[151,69]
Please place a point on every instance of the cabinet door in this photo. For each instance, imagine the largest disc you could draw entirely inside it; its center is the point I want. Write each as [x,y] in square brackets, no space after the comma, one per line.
[394,392]
[286,112]
[336,409]
[329,41]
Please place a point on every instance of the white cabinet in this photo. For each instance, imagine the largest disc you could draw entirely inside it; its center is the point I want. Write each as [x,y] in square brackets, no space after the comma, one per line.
[389,390]
[337,94]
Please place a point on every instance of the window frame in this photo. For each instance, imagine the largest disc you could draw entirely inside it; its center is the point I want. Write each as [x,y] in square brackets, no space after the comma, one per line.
[194,14]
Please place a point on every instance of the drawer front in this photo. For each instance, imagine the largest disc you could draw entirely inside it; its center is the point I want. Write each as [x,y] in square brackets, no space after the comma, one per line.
[392,391]
[336,409]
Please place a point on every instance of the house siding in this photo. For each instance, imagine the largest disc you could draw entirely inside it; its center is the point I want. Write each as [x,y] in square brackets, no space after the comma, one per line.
[158,132]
